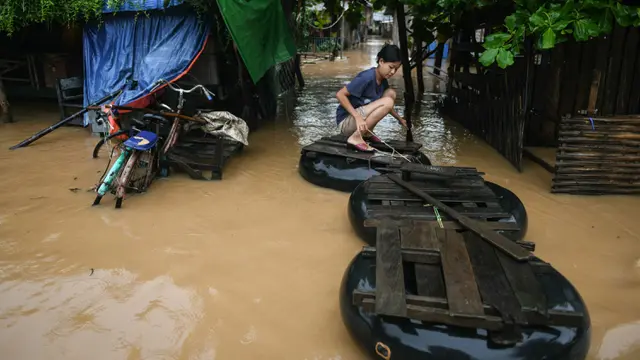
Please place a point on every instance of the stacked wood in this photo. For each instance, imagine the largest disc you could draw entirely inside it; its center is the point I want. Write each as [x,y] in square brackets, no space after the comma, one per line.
[599,155]
[197,152]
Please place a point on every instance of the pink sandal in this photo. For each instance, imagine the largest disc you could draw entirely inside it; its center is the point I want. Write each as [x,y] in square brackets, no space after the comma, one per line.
[360,147]
[374,139]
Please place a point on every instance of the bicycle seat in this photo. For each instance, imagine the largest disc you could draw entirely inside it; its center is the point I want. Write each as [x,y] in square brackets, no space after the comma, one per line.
[152,117]
[144,140]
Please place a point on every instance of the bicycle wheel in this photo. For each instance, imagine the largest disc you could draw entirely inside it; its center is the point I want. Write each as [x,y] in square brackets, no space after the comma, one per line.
[145,170]
[98,147]
[125,177]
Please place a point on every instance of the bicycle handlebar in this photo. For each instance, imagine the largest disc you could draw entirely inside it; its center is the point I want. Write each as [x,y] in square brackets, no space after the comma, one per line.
[174,87]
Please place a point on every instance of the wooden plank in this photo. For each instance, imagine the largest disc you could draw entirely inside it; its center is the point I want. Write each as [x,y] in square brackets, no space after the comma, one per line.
[462,291]
[419,236]
[408,197]
[634,96]
[602,61]
[494,238]
[570,75]
[417,256]
[492,282]
[524,284]
[626,73]
[347,153]
[479,212]
[613,70]
[445,171]
[588,60]
[454,225]
[390,296]
[555,317]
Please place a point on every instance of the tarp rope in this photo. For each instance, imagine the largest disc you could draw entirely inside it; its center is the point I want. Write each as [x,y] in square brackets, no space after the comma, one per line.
[328,27]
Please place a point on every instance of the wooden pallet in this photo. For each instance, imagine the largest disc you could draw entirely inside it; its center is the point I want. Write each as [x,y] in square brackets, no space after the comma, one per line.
[337,145]
[460,280]
[598,158]
[194,155]
[463,189]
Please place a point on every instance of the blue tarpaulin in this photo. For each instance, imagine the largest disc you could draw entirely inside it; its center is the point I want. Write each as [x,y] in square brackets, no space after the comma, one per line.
[136,53]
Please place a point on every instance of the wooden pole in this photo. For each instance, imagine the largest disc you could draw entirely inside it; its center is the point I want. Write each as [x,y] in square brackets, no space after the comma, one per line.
[439,55]
[409,96]
[419,67]
[5,109]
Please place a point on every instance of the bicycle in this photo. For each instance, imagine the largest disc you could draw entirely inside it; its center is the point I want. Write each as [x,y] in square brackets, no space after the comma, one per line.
[143,151]
[173,133]
[138,149]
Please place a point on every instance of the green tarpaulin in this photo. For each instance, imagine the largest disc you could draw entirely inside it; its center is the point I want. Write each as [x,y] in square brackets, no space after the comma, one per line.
[260,31]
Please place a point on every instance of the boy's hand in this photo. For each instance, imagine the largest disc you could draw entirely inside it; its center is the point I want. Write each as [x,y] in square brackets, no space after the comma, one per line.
[403,122]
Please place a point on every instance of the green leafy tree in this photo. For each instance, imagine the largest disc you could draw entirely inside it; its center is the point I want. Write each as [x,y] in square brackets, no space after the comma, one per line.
[15,14]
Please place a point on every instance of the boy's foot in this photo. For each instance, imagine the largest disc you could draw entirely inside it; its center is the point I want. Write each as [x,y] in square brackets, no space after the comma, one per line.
[360,147]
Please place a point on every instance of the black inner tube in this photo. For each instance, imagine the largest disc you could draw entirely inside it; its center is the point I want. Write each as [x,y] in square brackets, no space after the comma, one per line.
[415,340]
[340,173]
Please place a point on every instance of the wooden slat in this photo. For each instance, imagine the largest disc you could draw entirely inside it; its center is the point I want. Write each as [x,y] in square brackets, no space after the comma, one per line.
[570,75]
[445,199]
[425,256]
[419,236]
[454,225]
[492,282]
[602,60]
[626,73]
[555,317]
[390,296]
[460,282]
[476,212]
[494,238]
[613,70]
[585,77]
[524,284]
[347,153]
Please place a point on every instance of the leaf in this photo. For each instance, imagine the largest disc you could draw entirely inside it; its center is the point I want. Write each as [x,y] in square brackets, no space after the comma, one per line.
[505,58]
[488,57]
[537,20]
[496,40]
[510,21]
[584,29]
[548,39]
[605,20]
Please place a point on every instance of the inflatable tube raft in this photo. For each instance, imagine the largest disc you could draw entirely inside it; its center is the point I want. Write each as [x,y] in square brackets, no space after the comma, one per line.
[358,210]
[408,339]
[339,173]
[327,162]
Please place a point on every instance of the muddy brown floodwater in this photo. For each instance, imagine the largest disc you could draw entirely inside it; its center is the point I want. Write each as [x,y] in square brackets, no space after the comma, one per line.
[250,267]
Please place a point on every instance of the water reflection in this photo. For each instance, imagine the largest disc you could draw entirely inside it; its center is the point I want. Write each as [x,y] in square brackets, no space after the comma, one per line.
[112,310]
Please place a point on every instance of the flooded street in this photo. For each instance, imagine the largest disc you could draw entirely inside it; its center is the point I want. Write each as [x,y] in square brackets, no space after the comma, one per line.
[249,267]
